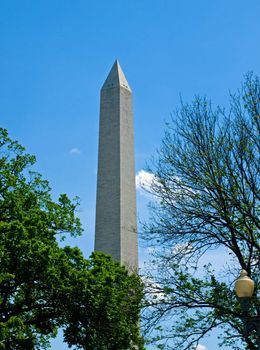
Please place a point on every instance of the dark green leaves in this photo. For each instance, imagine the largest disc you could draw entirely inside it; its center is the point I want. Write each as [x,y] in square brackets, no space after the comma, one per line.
[44,287]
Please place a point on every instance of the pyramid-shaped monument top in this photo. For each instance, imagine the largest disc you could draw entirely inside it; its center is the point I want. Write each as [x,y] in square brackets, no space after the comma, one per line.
[116,78]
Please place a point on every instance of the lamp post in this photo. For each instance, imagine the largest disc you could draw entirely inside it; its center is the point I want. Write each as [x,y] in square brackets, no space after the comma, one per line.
[244,288]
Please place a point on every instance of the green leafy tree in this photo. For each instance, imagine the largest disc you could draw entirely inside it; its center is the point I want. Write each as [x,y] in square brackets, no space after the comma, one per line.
[206,190]
[43,286]
[104,309]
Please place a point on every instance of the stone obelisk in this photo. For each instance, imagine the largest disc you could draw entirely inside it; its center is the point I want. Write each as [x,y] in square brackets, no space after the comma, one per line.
[116,229]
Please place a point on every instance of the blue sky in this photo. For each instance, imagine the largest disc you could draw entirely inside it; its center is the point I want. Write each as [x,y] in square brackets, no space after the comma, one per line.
[55,56]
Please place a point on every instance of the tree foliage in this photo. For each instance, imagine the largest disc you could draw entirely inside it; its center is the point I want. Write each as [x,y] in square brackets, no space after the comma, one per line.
[43,286]
[206,191]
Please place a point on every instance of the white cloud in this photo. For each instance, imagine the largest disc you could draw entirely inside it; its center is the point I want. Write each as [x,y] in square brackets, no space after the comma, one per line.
[182,248]
[201,347]
[153,291]
[144,180]
[150,250]
[74,151]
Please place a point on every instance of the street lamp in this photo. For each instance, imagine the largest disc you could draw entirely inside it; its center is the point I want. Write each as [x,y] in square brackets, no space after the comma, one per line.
[244,288]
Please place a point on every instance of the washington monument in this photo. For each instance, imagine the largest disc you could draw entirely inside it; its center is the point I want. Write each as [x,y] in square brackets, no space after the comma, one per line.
[116,229]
